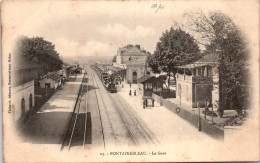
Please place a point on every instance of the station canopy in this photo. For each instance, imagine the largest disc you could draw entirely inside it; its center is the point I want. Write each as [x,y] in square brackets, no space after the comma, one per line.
[114,68]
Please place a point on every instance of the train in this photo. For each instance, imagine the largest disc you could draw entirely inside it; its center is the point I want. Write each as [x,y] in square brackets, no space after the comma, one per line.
[107,79]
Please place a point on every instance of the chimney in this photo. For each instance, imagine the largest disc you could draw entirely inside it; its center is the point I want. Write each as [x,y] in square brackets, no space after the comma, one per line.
[138,46]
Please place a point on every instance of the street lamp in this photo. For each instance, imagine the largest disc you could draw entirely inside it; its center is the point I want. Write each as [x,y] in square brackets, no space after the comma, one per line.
[199,122]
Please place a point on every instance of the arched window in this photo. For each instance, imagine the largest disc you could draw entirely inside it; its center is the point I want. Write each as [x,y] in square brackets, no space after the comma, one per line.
[22,107]
[148,73]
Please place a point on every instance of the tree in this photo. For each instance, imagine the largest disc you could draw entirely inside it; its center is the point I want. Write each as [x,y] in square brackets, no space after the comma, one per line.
[175,47]
[153,63]
[41,52]
[221,36]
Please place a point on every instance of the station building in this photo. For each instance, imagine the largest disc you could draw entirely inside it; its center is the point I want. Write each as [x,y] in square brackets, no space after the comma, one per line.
[51,80]
[133,59]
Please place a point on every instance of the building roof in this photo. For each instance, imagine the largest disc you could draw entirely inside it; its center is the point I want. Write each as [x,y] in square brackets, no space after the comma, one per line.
[53,76]
[66,65]
[131,50]
[147,78]
[208,59]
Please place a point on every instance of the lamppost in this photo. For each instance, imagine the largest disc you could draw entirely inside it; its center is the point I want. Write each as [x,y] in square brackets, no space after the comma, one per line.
[161,97]
[130,92]
[199,122]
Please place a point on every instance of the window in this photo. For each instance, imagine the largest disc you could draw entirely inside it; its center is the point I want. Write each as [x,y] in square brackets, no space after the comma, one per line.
[199,71]
[202,71]
[209,73]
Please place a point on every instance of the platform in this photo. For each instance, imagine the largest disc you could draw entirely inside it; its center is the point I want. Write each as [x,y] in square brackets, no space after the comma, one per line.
[49,124]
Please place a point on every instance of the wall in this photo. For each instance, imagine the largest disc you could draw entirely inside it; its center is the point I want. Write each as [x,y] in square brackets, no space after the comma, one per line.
[129,72]
[23,76]
[65,73]
[18,93]
[45,80]
[140,89]
[118,59]
[56,84]
[215,91]
[206,127]
[184,93]
[158,99]
[126,58]
[203,94]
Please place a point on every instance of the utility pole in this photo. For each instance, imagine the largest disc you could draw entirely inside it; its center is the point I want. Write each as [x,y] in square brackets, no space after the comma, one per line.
[221,85]
[145,66]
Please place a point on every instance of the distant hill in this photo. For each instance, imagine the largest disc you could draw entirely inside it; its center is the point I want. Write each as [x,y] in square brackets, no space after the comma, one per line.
[89,60]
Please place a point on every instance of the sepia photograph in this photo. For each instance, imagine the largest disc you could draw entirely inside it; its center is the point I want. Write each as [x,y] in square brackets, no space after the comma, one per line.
[130,81]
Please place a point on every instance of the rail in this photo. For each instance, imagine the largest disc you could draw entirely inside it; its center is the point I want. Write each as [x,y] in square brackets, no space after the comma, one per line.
[94,79]
[139,135]
[77,103]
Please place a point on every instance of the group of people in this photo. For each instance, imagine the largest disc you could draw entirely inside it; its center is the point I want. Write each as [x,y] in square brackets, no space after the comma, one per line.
[145,102]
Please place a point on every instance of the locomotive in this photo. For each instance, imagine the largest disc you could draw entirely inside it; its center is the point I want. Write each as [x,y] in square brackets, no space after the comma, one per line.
[107,80]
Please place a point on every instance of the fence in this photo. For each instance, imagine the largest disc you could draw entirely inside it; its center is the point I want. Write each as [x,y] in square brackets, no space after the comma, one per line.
[191,117]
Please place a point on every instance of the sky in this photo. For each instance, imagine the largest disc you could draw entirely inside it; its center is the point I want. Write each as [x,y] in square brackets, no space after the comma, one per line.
[87,28]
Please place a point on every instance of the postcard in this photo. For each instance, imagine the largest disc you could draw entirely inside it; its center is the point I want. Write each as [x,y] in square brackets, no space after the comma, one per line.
[130,81]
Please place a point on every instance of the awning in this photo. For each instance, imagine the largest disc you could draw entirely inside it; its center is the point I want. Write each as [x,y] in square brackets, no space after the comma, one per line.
[149,78]
[144,78]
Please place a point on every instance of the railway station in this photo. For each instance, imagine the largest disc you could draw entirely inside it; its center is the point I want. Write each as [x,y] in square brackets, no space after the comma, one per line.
[130,81]
[101,106]
[98,113]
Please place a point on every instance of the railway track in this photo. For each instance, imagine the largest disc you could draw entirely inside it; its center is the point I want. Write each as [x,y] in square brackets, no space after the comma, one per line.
[101,101]
[136,129]
[140,135]
[75,135]
[147,136]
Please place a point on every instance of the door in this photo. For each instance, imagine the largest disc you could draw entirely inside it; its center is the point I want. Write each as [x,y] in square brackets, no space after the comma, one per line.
[134,77]
[48,85]
[22,107]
